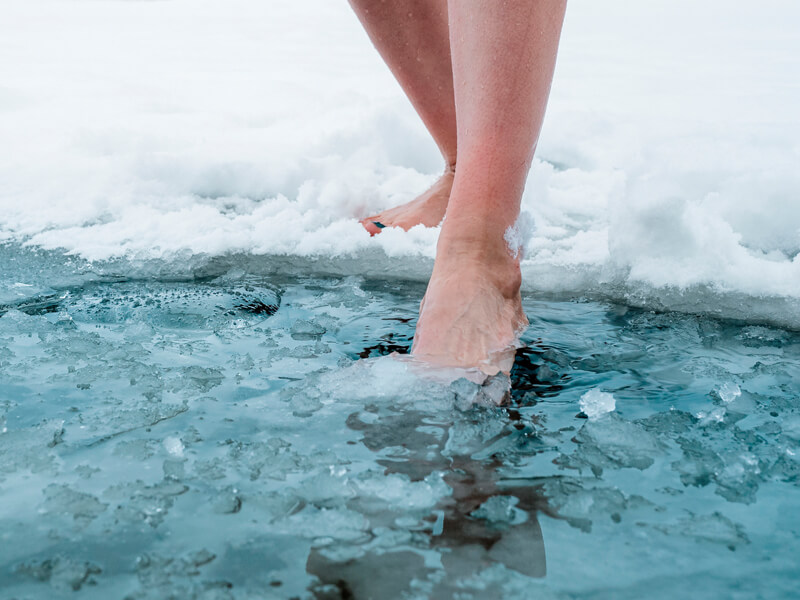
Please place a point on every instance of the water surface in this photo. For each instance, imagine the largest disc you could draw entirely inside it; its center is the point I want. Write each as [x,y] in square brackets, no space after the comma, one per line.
[242,435]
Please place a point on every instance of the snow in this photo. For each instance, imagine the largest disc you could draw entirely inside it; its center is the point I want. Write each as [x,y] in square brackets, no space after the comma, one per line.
[666,172]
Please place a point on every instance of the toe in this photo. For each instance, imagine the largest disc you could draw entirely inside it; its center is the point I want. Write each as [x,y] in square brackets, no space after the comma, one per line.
[370,225]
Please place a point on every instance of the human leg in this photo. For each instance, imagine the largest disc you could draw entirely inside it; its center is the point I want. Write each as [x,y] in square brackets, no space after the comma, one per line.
[503,57]
[412,37]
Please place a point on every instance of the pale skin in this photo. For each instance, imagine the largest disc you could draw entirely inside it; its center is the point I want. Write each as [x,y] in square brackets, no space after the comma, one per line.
[478,72]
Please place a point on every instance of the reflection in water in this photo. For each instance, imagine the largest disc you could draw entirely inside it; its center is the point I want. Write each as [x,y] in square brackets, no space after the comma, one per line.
[485,521]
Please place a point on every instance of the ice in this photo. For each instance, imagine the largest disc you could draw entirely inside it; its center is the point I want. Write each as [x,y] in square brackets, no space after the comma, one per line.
[646,191]
[398,489]
[469,394]
[728,392]
[232,469]
[338,578]
[62,573]
[136,449]
[716,415]
[228,502]
[137,503]
[613,442]
[715,528]
[29,448]
[178,575]
[173,446]
[739,479]
[586,505]
[759,336]
[306,330]
[337,523]
[596,403]
[791,427]
[499,511]
[61,499]
[410,382]
[202,379]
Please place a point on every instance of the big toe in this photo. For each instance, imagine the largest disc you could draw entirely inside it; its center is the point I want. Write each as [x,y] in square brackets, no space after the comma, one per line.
[371,225]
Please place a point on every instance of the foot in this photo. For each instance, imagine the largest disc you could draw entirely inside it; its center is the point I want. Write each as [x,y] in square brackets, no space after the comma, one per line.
[427,209]
[471,315]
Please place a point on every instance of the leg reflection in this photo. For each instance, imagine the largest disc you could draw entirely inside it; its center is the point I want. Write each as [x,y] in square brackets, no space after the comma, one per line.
[485,521]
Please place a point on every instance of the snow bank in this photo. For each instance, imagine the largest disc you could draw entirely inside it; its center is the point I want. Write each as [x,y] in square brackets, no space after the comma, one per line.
[666,173]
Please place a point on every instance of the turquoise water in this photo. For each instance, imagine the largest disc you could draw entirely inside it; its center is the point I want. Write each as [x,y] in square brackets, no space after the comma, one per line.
[231,432]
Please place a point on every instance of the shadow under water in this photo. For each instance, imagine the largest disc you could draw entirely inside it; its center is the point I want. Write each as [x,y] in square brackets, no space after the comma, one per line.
[484,520]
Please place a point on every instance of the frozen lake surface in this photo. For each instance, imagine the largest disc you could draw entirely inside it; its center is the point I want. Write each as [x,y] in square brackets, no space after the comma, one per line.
[206,410]
[240,434]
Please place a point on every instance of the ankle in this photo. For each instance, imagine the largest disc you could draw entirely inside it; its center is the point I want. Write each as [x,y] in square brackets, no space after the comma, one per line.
[474,234]
[482,257]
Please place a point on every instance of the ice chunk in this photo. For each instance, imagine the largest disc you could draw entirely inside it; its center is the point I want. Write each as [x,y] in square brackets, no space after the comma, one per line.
[715,528]
[140,449]
[63,574]
[140,503]
[499,511]
[595,403]
[739,480]
[757,336]
[709,418]
[615,443]
[397,489]
[200,378]
[728,392]
[161,574]
[61,499]
[493,392]
[306,330]
[406,382]
[28,448]
[337,523]
[174,446]
[227,502]
[330,488]
[582,503]
[174,469]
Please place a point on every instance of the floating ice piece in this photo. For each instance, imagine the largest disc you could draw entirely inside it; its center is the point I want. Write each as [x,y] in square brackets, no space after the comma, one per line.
[500,511]
[62,499]
[306,330]
[493,392]
[611,442]
[715,416]
[595,403]
[174,446]
[63,574]
[728,392]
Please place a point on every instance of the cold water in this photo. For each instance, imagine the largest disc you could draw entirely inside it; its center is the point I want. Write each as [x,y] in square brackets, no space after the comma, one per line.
[238,433]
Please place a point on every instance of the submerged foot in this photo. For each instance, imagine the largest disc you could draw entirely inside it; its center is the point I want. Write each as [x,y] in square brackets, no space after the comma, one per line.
[472,313]
[426,209]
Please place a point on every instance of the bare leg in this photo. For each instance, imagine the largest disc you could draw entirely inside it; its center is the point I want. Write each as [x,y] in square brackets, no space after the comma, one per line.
[412,36]
[503,59]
